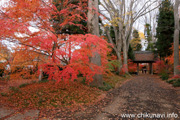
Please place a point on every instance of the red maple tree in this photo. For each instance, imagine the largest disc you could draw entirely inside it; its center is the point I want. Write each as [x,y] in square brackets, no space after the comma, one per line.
[67,55]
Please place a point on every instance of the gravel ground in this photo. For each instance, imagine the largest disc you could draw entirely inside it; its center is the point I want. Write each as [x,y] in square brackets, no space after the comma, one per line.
[144,97]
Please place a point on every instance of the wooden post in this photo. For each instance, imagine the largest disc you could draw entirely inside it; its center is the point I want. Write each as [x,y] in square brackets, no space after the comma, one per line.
[151,68]
[137,68]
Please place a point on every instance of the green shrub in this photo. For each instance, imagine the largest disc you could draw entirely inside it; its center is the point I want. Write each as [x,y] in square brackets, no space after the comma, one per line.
[113,65]
[14,89]
[33,81]
[106,87]
[164,76]
[83,81]
[176,83]
[170,81]
[23,85]
[80,75]
[4,94]
[126,75]
[43,81]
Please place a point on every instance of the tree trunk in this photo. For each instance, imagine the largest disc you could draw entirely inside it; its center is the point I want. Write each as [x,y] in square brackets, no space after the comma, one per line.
[118,53]
[176,38]
[119,61]
[125,56]
[93,28]
[40,74]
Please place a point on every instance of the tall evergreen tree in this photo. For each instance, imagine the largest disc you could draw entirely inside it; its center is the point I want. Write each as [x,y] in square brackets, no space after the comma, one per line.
[148,36]
[130,53]
[165,29]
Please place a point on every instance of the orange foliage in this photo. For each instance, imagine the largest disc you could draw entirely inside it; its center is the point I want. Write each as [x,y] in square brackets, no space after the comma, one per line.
[24,63]
[159,66]
[132,67]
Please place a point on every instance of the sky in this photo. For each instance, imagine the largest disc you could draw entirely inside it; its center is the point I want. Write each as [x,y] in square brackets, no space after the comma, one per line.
[2,2]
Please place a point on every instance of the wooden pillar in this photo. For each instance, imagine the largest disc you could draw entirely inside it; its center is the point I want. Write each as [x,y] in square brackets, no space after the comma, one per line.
[137,68]
[150,68]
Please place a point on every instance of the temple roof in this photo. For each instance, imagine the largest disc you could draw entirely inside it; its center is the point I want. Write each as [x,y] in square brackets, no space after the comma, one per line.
[144,56]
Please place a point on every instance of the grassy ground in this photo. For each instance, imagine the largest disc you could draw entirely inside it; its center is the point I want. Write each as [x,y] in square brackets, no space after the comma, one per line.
[115,80]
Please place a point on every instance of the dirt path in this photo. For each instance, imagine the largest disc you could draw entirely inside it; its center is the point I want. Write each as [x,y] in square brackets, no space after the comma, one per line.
[143,97]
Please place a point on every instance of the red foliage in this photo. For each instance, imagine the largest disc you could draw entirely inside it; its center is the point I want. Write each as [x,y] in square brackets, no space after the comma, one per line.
[160,66]
[170,58]
[50,95]
[113,57]
[132,67]
[82,48]
[69,52]
[123,70]
[176,77]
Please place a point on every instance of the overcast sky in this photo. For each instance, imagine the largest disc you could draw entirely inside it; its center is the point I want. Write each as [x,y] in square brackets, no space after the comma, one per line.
[2,2]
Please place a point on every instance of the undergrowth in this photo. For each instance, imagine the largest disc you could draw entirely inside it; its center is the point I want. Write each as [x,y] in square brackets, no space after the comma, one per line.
[174,82]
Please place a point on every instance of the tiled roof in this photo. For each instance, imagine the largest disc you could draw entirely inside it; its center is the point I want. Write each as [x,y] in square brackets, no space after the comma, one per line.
[144,56]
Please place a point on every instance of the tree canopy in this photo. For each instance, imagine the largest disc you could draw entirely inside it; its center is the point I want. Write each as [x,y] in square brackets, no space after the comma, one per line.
[66,51]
